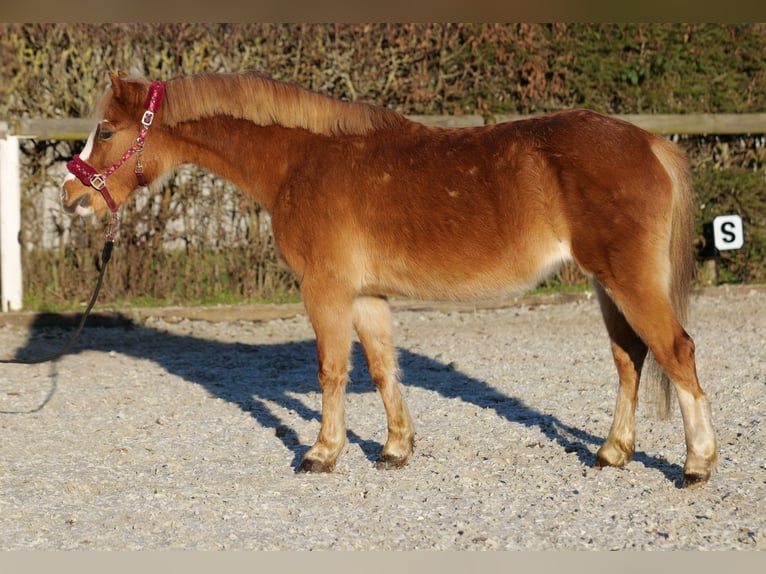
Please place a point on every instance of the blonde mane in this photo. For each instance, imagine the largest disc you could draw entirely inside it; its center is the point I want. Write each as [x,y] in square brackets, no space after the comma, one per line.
[264,101]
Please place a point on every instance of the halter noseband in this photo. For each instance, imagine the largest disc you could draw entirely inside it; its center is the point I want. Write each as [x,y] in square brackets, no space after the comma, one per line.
[90,177]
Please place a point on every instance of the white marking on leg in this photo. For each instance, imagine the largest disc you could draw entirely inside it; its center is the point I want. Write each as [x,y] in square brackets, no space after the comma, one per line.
[623,428]
[700,437]
[618,448]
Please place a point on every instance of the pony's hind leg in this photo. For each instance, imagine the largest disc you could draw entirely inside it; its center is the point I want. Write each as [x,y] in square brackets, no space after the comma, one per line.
[329,311]
[649,311]
[629,353]
[372,321]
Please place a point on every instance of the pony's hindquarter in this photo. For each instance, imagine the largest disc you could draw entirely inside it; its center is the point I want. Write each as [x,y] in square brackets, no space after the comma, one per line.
[647,315]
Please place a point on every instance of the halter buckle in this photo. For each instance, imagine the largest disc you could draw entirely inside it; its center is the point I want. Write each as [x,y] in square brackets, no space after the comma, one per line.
[147,118]
[97,181]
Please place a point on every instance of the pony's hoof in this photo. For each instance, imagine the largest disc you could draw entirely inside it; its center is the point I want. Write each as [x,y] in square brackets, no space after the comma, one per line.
[389,462]
[309,465]
[602,462]
[609,455]
[695,480]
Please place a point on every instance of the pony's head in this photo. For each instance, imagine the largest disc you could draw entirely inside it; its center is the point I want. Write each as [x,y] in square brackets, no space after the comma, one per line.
[118,157]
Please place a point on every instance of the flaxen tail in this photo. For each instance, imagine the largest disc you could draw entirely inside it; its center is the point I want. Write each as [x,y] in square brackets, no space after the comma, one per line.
[681,251]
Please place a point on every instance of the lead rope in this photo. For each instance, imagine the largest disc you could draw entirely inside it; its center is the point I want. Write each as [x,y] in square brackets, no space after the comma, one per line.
[106,254]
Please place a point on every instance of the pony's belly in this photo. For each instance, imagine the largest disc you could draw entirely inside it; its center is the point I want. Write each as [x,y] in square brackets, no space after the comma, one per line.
[508,276]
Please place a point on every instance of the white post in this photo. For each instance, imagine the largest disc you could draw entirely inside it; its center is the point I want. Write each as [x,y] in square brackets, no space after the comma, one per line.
[10,224]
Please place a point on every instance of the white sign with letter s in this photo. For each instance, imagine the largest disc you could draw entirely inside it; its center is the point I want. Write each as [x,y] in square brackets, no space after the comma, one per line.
[728,232]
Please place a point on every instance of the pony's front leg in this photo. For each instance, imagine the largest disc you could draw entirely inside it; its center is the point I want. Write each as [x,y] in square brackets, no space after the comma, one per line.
[330,316]
[372,321]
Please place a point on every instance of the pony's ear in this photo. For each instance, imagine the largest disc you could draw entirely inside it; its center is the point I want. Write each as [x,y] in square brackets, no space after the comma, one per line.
[116,81]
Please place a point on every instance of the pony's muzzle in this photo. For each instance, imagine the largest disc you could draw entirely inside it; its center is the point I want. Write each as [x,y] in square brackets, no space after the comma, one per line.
[80,206]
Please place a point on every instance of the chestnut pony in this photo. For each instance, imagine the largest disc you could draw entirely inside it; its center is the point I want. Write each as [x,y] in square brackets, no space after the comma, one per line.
[365,203]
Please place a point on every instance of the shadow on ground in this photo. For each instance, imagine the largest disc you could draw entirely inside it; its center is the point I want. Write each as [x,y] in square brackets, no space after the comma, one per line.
[228,371]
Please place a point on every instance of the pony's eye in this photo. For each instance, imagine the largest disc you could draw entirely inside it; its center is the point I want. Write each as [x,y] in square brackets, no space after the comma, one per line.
[104,134]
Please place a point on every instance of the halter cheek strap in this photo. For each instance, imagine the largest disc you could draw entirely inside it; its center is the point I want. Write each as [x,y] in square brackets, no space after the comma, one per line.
[90,177]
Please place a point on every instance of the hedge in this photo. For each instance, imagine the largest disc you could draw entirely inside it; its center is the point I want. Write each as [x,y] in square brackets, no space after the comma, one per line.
[59,70]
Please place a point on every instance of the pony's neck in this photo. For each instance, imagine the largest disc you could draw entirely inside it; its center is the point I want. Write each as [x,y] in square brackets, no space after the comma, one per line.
[252,157]
[241,126]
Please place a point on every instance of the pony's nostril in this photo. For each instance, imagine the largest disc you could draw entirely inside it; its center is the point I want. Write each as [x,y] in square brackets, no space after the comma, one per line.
[82,201]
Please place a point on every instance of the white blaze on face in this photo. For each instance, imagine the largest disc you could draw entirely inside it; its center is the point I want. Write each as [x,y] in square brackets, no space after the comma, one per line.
[85,156]
[85,153]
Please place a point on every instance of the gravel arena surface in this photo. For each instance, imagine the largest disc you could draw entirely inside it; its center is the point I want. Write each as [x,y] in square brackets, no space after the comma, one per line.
[170,431]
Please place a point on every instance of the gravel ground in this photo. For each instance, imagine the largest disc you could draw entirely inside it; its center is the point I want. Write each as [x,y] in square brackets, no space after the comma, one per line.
[173,433]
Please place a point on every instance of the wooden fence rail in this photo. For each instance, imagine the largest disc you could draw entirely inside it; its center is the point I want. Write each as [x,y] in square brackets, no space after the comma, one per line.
[687,124]
[13,130]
